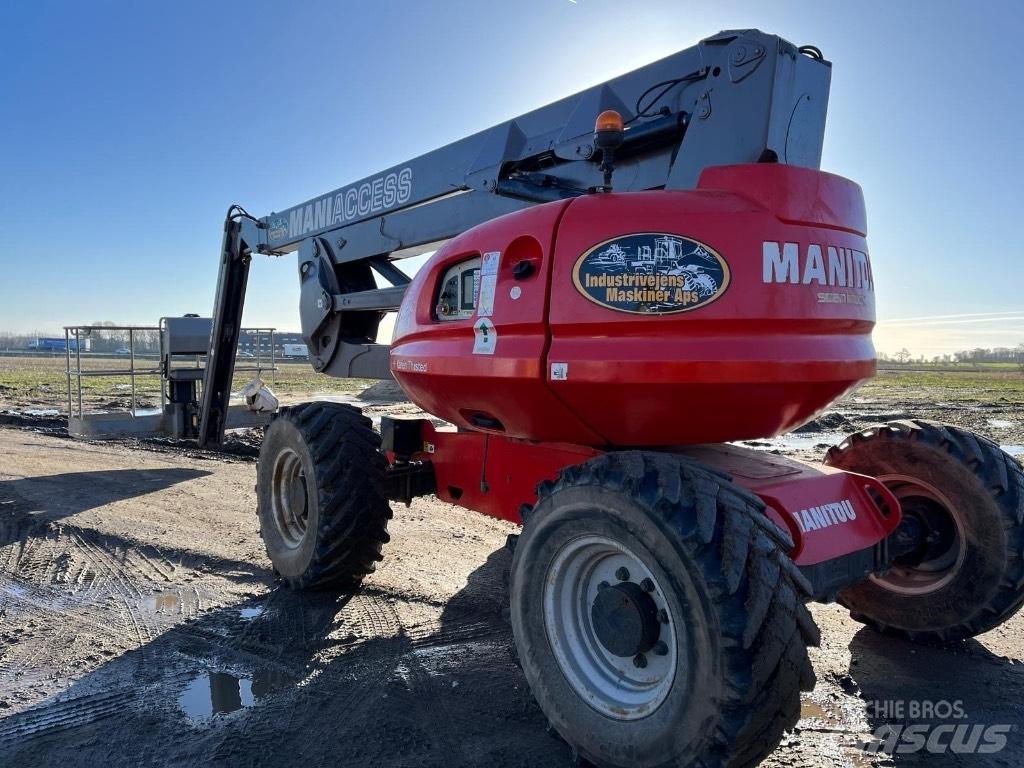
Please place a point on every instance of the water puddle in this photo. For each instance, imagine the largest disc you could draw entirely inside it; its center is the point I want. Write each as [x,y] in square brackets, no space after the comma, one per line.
[249,613]
[15,591]
[796,441]
[164,602]
[1001,423]
[810,710]
[120,410]
[1013,450]
[218,693]
[334,398]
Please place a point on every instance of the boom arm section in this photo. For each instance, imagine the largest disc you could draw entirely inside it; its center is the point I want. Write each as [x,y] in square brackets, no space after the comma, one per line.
[737,97]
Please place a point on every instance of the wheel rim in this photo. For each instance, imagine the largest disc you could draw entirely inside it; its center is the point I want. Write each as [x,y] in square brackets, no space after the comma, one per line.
[595,620]
[939,559]
[290,498]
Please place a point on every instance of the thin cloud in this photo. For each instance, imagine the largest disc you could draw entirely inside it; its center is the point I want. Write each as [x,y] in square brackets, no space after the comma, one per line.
[965,321]
[980,317]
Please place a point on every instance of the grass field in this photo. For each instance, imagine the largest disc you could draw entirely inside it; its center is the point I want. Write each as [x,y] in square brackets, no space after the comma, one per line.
[1005,383]
[40,382]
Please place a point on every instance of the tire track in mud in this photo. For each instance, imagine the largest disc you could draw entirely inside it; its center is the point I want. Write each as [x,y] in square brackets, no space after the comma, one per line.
[126,590]
[48,603]
[53,720]
[128,677]
[390,697]
[379,678]
[156,569]
[80,601]
[387,676]
[340,687]
[35,586]
[463,632]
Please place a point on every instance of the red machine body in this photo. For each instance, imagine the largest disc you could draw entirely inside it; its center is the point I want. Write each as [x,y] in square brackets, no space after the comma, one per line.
[828,512]
[734,311]
[654,319]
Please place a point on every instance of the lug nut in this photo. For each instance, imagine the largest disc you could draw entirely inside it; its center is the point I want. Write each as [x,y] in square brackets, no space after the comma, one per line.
[663,616]
[603,585]
[647,585]
[660,648]
[640,661]
[622,574]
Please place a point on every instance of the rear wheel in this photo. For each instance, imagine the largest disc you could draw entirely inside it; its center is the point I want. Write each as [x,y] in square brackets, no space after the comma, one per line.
[657,616]
[961,570]
[320,495]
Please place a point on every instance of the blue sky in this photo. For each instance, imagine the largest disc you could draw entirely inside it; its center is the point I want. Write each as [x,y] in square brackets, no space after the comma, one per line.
[126,129]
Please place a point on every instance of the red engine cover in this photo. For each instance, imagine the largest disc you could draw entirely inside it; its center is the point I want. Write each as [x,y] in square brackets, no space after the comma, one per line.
[735,311]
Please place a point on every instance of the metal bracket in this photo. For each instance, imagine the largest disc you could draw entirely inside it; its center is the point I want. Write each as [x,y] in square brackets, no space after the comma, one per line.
[746,56]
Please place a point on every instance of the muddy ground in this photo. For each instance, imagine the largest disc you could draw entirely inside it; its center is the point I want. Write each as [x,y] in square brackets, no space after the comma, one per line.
[140,625]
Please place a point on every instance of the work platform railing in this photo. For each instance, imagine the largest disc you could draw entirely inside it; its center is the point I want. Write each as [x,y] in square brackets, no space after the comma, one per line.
[154,360]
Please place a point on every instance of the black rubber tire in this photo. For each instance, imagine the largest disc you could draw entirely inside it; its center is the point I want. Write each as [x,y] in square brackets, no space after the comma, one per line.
[986,487]
[740,598]
[347,508]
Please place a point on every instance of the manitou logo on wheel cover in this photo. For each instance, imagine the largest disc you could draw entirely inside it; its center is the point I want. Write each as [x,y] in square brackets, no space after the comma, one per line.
[825,515]
[651,273]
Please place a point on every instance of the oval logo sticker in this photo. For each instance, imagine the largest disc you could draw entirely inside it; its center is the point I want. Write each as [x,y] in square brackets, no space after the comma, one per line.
[651,273]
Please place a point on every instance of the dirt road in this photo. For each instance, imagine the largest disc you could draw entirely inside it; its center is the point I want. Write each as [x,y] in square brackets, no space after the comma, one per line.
[140,625]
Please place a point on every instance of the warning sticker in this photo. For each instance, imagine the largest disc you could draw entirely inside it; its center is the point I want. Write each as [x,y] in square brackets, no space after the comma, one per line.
[488,282]
[485,303]
[489,263]
[559,371]
[485,337]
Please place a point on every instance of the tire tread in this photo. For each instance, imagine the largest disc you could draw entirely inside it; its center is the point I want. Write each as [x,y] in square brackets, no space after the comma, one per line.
[760,595]
[1003,479]
[349,477]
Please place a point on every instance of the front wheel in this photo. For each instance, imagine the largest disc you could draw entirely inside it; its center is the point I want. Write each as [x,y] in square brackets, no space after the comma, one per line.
[963,515]
[657,616]
[320,495]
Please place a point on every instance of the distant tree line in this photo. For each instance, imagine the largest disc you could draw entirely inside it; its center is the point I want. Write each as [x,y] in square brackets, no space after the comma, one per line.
[101,340]
[966,356]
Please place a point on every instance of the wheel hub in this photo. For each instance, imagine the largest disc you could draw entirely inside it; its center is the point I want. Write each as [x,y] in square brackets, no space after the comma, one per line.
[935,532]
[930,544]
[610,627]
[289,498]
[625,619]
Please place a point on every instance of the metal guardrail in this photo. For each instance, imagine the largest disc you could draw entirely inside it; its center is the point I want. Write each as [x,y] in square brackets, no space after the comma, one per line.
[81,332]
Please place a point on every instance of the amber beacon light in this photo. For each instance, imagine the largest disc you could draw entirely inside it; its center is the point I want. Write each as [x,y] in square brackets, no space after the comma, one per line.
[609,131]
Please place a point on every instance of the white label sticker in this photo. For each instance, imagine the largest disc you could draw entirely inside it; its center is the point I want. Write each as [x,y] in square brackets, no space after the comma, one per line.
[559,371]
[515,292]
[488,282]
[485,337]
[489,263]
[485,302]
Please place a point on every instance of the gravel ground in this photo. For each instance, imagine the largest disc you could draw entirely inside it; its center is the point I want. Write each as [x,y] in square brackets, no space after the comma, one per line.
[140,624]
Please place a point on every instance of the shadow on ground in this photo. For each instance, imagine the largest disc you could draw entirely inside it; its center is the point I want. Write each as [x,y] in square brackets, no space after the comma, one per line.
[66,494]
[306,679]
[37,506]
[964,686]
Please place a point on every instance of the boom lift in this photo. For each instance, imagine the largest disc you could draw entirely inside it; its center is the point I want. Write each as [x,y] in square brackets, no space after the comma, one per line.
[607,308]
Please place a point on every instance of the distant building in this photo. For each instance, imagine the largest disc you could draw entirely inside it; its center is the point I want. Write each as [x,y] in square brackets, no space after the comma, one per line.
[295,350]
[282,339]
